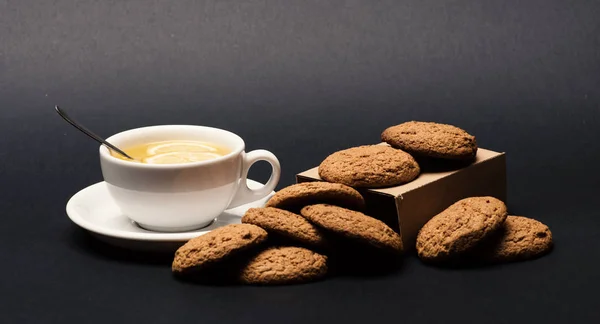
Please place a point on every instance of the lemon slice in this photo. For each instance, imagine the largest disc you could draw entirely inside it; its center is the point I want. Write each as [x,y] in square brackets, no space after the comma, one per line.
[180,146]
[180,157]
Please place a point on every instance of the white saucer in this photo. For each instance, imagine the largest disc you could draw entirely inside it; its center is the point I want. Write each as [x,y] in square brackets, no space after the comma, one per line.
[94,209]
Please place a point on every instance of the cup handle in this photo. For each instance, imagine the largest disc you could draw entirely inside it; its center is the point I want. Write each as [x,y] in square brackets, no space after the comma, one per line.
[246,195]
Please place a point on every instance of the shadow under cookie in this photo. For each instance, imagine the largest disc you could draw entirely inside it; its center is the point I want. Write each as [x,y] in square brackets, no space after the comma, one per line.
[213,277]
[348,258]
[466,264]
[460,264]
[435,165]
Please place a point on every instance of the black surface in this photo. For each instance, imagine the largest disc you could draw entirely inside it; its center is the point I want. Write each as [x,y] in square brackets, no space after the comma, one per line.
[302,79]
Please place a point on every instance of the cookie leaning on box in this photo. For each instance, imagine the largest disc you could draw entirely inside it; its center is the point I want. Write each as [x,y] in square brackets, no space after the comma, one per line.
[434,140]
[460,228]
[369,166]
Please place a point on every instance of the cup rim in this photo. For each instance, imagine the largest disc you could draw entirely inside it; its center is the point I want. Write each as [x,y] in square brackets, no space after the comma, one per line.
[105,154]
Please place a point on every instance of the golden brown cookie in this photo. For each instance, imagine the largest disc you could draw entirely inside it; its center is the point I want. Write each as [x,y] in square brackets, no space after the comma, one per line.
[296,196]
[285,223]
[354,225]
[216,246]
[432,140]
[284,265]
[460,228]
[369,166]
[520,238]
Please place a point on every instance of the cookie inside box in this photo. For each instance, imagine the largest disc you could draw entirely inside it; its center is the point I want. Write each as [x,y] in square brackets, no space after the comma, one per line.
[406,208]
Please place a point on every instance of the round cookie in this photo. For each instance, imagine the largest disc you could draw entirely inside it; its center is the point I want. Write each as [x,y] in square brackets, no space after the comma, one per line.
[354,225]
[431,140]
[520,238]
[216,246]
[296,196]
[284,265]
[369,166]
[460,228]
[284,223]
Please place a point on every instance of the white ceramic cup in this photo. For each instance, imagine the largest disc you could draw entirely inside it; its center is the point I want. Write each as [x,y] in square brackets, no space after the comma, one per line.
[185,196]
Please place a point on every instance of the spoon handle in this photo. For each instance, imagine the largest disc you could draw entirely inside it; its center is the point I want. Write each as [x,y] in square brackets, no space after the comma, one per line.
[88,132]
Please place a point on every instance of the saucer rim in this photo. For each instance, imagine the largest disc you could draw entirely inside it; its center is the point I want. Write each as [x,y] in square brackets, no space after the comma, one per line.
[76,218]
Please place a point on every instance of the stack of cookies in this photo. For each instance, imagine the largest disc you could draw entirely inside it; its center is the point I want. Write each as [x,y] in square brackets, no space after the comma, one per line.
[478,230]
[396,162]
[291,240]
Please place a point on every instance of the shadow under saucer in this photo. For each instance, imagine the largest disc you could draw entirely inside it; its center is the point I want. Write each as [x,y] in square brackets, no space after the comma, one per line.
[83,241]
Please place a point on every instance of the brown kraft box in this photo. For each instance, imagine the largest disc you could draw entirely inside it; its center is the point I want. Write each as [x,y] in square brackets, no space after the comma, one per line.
[406,208]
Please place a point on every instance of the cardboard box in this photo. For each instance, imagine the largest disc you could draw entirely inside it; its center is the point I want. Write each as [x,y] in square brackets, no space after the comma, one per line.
[406,208]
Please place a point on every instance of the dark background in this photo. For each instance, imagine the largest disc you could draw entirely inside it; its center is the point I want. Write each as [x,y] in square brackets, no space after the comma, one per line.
[302,79]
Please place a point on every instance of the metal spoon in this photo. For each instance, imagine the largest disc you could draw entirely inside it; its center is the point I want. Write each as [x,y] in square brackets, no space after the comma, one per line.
[90,133]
